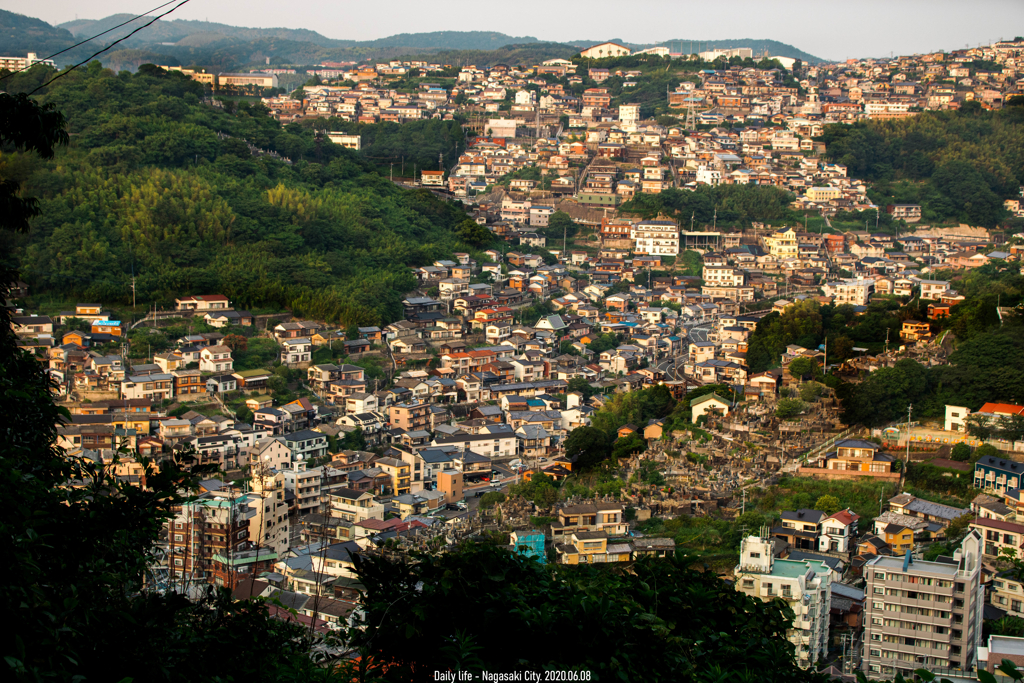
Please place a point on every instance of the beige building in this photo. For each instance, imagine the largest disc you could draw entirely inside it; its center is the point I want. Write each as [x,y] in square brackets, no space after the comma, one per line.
[920,614]
[856,292]
[255,78]
[355,506]
[783,244]
[345,140]
[605,50]
[823,194]
[605,517]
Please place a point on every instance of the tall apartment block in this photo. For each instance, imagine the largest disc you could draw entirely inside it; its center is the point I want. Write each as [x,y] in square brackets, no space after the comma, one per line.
[804,584]
[923,614]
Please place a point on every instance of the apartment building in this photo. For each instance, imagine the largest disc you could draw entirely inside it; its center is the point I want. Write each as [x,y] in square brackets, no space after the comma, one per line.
[206,534]
[856,292]
[805,585]
[998,475]
[783,244]
[304,485]
[657,238]
[923,614]
[724,276]
[410,416]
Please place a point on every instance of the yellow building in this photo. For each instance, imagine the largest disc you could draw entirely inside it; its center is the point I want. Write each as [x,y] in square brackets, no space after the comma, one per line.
[592,547]
[899,538]
[783,244]
[823,194]
[914,330]
[858,456]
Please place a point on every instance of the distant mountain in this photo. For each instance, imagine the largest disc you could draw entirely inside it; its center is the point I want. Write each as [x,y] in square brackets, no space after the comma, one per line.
[223,47]
[175,30]
[528,53]
[20,35]
[450,40]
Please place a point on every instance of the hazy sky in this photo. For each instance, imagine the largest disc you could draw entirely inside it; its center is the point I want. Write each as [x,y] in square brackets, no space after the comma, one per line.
[830,29]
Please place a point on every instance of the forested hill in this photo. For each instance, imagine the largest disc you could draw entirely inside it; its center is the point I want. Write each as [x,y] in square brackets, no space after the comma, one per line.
[20,35]
[158,184]
[959,166]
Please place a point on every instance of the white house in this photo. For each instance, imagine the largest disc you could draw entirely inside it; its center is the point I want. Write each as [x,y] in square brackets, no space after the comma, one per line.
[295,351]
[216,359]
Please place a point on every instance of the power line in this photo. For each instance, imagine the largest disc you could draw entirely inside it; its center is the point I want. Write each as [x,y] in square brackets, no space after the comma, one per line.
[65,72]
[114,28]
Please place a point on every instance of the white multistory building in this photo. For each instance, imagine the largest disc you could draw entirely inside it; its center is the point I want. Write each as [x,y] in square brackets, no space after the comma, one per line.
[656,238]
[805,585]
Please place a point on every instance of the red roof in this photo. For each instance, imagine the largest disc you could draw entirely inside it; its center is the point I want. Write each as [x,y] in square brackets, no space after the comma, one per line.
[1002,408]
[846,517]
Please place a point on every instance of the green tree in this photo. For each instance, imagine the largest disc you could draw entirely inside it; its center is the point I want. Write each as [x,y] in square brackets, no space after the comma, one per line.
[652,633]
[581,385]
[354,440]
[587,447]
[628,446]
[559,224]
[789,407]
[960,452]
[802,366]
[474,234]
[828,504]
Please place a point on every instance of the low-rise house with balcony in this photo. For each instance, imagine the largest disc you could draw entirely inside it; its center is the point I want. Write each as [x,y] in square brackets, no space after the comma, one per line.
[216,359]
[998,475]
[606,517]
[296,352]
[355,506]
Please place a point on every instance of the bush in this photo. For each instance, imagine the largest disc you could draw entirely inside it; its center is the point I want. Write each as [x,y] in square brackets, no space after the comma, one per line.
[790,407]
[961,453]
[491,499]
[810,391]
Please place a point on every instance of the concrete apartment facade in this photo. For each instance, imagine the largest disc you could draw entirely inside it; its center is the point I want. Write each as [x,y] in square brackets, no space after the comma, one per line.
[923,614]
[805,585]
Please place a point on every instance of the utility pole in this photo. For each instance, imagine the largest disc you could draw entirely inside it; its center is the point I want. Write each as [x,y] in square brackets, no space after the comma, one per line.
[133,291]
[906,460]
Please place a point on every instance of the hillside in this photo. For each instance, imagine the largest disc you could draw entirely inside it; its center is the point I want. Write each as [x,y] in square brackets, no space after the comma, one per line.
[176,30]
[959,166]
[20,35]
[150,188]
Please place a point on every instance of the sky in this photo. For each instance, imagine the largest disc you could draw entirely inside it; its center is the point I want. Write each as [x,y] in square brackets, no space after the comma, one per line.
[830,29]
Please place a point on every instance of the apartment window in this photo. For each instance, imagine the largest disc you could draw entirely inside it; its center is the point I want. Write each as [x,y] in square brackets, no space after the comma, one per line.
[177,537]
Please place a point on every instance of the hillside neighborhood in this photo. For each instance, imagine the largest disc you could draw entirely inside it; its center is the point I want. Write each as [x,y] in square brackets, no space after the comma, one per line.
[608,377]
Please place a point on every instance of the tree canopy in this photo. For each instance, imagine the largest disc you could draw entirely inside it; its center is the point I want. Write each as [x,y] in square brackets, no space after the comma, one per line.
[958,165]
[179,193]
